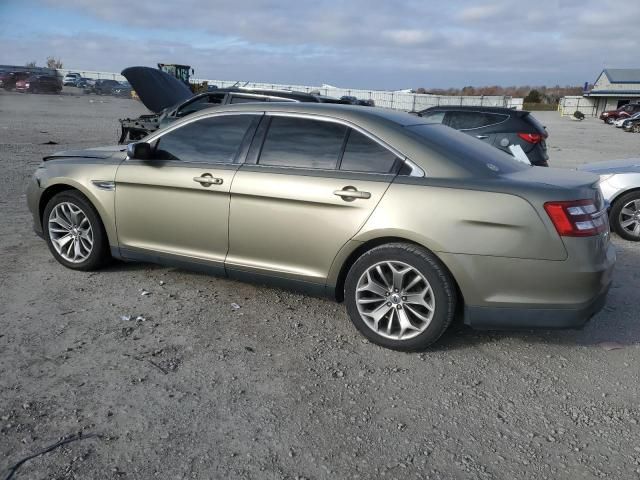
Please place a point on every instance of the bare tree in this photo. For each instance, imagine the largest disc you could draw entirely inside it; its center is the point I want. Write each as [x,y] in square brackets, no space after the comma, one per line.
[30,64]
[53,62]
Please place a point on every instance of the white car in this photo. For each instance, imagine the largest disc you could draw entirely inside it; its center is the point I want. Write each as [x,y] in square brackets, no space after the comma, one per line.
[620,186]
[71,79]
[620,122]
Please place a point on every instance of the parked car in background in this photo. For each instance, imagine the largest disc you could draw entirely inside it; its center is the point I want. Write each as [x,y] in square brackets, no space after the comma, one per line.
[356,101]
[84,82]
[503,128]
[39,84]
[620,185]
[406,221]
[621,122]
[102,87]
[8,79]
[122,90]
[632,125]
[624,111]
[70,79]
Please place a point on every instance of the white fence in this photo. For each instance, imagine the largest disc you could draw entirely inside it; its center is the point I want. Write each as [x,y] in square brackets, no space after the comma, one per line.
[396,100]
[571,104]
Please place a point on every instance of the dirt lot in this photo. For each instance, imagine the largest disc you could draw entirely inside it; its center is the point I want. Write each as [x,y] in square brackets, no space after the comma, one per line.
[284,387]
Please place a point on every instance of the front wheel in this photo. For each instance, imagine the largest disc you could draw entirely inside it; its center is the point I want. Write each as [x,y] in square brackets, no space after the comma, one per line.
[74,233]
[625,216]
[610,120]
[400,296]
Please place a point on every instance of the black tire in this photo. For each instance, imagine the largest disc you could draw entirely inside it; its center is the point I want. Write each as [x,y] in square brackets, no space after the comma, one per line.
[610,120]
[430,267]
[100,254]
[614,215]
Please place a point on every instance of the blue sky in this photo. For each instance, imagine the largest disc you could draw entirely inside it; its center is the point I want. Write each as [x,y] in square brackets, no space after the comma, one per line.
[357,43]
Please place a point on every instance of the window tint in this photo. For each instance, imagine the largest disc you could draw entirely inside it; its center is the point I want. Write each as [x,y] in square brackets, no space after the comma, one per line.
[433,117]
[467,120]
[364,155]
[211,140]
[299,142]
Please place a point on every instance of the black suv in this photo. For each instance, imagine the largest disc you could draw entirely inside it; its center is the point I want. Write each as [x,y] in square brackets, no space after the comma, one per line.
[503,128]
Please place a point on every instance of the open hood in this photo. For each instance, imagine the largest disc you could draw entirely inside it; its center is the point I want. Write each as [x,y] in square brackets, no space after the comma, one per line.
[157,90]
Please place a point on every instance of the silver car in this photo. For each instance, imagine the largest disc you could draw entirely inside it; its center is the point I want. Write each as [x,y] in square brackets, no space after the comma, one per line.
[620,185]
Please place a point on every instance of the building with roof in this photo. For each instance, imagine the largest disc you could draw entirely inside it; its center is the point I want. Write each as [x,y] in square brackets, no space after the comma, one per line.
[615,87]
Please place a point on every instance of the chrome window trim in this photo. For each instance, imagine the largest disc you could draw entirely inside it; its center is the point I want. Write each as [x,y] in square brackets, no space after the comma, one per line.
[416,171]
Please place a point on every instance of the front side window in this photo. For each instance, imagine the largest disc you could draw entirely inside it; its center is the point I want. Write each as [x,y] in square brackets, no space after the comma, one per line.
[210,140]
[364,155]
[303,143]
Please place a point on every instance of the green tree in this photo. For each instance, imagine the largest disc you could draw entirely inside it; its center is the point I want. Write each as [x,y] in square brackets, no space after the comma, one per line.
[533,97]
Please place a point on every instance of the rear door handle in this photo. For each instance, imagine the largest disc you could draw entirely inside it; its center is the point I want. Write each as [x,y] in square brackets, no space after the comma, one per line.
[206,180]
[482,137]
[349,194]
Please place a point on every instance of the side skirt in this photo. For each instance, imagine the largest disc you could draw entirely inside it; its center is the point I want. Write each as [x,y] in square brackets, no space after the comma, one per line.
[307,288]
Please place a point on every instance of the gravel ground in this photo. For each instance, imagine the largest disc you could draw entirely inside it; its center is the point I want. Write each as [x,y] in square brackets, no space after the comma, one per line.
[284,387]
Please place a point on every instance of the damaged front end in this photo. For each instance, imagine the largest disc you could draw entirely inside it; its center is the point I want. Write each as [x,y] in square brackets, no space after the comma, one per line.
[134,129]
[158,91]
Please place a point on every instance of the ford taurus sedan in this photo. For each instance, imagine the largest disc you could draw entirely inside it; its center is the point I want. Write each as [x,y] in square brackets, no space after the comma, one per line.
[406,222]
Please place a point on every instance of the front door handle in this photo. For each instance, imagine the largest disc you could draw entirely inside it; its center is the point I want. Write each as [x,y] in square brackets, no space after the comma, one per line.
[206,180]
[349,194]
[482,137]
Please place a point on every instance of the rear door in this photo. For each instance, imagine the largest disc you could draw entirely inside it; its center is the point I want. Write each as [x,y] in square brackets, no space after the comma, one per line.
[310,186]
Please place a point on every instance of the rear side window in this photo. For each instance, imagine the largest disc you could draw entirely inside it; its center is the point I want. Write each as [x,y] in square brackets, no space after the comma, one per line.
[210,140]
[433,117]
[469,120]
[303,143]
[364,155]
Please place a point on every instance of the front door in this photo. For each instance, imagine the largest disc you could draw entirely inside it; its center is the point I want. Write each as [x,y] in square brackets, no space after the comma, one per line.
[313,186]
[176,204]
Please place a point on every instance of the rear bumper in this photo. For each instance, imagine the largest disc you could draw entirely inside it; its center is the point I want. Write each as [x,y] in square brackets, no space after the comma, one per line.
[488,318]
[512,293]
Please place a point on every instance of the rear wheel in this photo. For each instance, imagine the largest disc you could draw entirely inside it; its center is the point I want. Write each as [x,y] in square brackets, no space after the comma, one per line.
[74,233]
[400,296]
[625,216]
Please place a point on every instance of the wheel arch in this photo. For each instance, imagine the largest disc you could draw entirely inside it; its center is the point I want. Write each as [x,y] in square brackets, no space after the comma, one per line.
[50,191]
[622,193]
[337,290]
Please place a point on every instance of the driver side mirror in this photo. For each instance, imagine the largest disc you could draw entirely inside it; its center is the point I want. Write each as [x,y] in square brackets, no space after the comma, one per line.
[139,151]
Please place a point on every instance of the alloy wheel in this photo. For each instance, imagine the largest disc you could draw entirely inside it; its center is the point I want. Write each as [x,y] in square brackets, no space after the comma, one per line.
[629,217]
[70,232]
[395,300]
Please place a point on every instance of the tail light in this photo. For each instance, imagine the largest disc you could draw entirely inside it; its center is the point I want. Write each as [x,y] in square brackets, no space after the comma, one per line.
[579,218]
[532,137]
